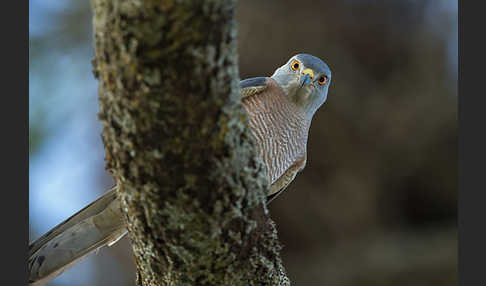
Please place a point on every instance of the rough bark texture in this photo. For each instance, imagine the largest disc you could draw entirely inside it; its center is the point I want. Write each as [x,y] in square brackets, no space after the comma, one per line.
[177,143]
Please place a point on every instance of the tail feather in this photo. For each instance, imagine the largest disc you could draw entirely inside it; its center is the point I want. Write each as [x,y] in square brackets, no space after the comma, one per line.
[98,224]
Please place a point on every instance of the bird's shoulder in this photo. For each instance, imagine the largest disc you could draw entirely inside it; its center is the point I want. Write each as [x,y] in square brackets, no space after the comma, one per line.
[257,85]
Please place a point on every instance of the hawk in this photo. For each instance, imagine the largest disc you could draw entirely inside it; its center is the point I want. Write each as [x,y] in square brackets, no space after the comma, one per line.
[280,110]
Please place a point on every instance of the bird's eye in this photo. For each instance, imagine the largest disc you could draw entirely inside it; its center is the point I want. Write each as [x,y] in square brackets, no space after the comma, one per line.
[322,80]
[295,65]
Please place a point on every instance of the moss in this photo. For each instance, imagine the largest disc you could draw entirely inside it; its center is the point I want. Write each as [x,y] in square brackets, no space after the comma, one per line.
[177,142]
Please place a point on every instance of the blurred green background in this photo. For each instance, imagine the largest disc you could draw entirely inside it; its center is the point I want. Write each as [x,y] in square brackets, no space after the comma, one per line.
[377,202]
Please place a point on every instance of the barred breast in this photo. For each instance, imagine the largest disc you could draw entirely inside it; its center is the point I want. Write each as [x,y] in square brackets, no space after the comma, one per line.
[280,129]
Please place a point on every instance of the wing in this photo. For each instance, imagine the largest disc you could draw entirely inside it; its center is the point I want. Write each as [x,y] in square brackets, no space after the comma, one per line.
[100,223]
[252,86]
[92,209]
[282,183]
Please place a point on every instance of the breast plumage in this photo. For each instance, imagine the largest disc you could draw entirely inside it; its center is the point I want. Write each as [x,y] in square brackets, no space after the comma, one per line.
[279,127]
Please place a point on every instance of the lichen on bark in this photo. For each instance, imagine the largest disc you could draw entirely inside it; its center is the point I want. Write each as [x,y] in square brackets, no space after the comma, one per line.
[178,145]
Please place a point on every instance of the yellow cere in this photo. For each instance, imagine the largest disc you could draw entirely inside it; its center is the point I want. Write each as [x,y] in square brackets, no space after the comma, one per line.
[309,72]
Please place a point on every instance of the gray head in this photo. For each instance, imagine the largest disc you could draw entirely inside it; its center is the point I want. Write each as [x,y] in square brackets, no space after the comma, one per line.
[305,79]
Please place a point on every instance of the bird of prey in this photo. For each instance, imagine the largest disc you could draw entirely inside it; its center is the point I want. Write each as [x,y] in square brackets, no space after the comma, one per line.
[279,110]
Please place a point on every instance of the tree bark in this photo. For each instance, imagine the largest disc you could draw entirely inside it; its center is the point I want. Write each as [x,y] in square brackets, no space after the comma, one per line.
[177,142]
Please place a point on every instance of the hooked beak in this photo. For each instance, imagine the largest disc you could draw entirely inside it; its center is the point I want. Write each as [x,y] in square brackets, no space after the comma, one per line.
[306,77]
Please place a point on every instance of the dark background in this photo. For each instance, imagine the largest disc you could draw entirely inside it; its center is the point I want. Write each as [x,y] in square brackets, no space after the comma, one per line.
[376,204]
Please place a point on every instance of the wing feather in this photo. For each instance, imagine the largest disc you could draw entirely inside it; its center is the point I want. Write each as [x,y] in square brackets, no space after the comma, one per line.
[98,224]
[252,86]
[284,181]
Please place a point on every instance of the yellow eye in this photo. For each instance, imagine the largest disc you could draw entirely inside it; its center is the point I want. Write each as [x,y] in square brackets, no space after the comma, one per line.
[322,80]
[295,65]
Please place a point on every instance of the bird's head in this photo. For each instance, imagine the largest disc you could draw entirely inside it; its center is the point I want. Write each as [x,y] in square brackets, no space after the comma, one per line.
[305,79]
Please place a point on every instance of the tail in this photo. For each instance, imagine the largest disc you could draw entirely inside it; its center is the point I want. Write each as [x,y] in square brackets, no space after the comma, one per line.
[98,224]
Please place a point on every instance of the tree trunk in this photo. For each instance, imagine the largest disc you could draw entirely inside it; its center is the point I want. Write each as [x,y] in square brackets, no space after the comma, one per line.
[178,144]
